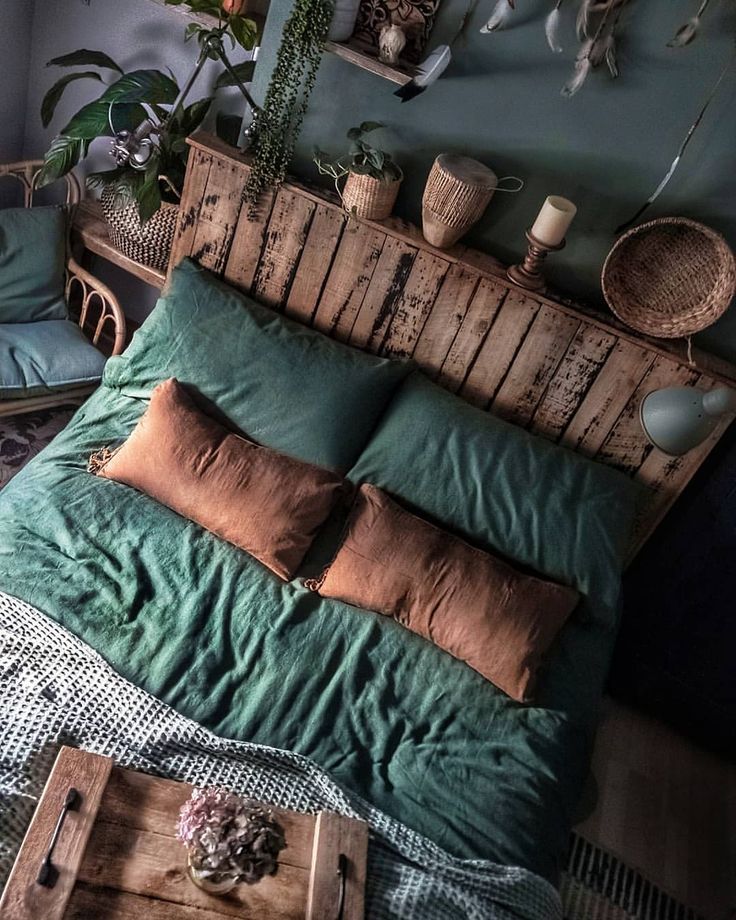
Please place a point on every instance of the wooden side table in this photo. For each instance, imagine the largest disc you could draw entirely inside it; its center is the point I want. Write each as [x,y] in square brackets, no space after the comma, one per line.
[116,856]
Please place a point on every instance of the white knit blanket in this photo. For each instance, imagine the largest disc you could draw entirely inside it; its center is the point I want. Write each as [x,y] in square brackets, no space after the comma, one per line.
[56,690]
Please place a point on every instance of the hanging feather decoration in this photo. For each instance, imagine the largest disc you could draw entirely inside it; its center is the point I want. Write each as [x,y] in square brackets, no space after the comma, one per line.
[583,66]
[430,70]
[610,55]
[686,33]
[499,17]
[552,28]
[583,19]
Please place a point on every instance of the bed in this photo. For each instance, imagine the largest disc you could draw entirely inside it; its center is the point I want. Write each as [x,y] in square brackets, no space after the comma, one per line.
[213,634]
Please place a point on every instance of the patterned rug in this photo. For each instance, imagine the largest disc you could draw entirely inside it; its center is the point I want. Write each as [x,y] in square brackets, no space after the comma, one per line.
[23,436]
[595,884]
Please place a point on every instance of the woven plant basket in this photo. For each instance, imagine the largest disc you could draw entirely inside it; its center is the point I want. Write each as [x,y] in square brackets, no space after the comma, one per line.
[149,243]
[373,199]
[670,277]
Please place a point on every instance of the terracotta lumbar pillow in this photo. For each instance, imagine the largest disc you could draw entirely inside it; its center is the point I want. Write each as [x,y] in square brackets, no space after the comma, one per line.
[266,503]
[473,605]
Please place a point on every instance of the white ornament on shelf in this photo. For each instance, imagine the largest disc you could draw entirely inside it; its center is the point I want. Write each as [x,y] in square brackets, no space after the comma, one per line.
[391,43]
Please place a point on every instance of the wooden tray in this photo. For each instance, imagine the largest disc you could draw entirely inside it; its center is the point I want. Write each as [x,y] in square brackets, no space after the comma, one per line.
[116,857]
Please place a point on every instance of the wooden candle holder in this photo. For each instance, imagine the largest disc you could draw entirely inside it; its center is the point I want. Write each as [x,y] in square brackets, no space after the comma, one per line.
[529,273]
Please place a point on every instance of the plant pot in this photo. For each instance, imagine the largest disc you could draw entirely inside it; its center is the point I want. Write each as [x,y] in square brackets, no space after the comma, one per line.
[373,199]
[149,243]
[343,20]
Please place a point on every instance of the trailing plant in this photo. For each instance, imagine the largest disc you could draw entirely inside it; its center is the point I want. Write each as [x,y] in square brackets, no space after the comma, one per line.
[279,123]
[361,158]
[127,101]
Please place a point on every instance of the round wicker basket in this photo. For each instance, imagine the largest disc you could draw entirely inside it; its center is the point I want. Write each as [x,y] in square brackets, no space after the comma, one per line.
[373,199]
[670,277]
[149,243]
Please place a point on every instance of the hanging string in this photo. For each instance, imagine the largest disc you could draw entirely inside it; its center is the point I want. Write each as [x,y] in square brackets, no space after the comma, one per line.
[683,147]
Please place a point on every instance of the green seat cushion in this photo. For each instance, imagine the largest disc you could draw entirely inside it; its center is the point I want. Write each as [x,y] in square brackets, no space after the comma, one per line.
[43,357]
[32,258]
[284,385]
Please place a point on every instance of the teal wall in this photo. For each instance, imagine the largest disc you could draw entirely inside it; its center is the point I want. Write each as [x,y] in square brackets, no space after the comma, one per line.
[606,149]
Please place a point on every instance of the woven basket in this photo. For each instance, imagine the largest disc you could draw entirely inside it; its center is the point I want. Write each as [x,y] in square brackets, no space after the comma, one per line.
[373,199]
[457,193]
[149,243]
[670,277]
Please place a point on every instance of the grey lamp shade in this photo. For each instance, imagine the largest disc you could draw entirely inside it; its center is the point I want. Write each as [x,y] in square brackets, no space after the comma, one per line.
[677,419]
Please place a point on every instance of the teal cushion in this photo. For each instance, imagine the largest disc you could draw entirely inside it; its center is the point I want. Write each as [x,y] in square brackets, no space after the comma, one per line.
[500,487]
[32,258]
[46,356]
[284,385]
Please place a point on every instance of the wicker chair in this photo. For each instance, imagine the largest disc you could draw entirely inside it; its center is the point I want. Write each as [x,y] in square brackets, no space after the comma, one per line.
[98,306]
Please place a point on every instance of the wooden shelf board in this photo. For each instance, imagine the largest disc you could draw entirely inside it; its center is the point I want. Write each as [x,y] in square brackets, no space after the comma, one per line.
[90,227]
[360,57]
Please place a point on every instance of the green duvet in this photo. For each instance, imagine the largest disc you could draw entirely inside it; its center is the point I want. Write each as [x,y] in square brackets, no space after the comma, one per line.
[207,629]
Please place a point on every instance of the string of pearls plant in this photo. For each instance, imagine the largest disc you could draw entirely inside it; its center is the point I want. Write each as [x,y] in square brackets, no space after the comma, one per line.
[287,96]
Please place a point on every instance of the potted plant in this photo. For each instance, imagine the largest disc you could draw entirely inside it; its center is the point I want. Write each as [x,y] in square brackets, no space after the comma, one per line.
[140,196]
[373,179]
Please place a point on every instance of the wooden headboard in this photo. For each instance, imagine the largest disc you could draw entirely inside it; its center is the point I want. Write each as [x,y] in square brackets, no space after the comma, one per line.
[556,369]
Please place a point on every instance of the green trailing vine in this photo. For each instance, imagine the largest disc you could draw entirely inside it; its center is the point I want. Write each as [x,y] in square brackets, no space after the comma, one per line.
[287,97]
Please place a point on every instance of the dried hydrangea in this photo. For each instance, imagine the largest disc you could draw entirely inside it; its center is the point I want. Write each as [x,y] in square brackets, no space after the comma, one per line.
[229,837]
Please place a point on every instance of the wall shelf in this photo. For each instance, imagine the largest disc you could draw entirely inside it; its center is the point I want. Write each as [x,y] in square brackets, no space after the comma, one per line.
[254,9]
[363,57]
[89,226]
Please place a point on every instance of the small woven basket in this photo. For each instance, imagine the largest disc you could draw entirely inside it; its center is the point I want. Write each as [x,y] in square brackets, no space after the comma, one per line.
[457,193]
[149,243]
[373,199]
[670,277]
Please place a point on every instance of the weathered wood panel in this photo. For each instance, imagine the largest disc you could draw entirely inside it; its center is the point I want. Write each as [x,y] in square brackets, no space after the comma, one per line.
[535,363]
[218,216]
[284,241]
[565,373]
[351,273]
[315,263]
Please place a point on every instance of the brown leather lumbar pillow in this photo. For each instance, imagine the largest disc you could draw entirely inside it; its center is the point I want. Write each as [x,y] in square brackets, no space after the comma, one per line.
[266,503]
[469,603]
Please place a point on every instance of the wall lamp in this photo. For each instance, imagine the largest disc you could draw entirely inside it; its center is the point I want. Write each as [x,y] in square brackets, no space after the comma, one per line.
[677,419]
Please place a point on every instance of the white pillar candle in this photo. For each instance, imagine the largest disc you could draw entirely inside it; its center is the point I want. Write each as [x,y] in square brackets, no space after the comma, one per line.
[553,220]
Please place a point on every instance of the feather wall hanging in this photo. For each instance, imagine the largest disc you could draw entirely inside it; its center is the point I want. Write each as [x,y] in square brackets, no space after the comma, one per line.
[428,72]
[500,16]
[687,32]
[552,28]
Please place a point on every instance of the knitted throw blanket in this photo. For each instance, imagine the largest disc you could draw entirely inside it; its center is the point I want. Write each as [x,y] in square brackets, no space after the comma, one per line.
[56,690]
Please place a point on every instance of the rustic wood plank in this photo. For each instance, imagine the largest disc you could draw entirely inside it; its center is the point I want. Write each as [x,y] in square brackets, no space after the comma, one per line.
[195,182]
[24,898]
[607,397]
[247,244]
[90,902]
[535,363]
[333,836]
[473,330]
[626,446]
[285,238]
[498,351]
[414,305]
[445,319]
[160,868]
[355,262]
[381,298]
[148,803]
[314,266]
[218,216]
[578,369]
[355,54]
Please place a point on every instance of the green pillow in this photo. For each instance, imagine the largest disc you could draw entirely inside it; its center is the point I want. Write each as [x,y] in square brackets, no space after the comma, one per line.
[503,489]
[32,260]
[284,385]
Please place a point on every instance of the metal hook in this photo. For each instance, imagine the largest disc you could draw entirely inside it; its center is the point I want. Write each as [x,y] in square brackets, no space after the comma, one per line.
[48,873]
[342,871]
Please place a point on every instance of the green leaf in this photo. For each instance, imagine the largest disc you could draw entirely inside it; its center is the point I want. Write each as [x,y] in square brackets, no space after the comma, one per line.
[228,128]
[368,126]
[354,134]
[62,156]
[149,86]
[244,71]
[52,97]
[94,120]
[244,31]
[148,197]
[83,58]
[193,116]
